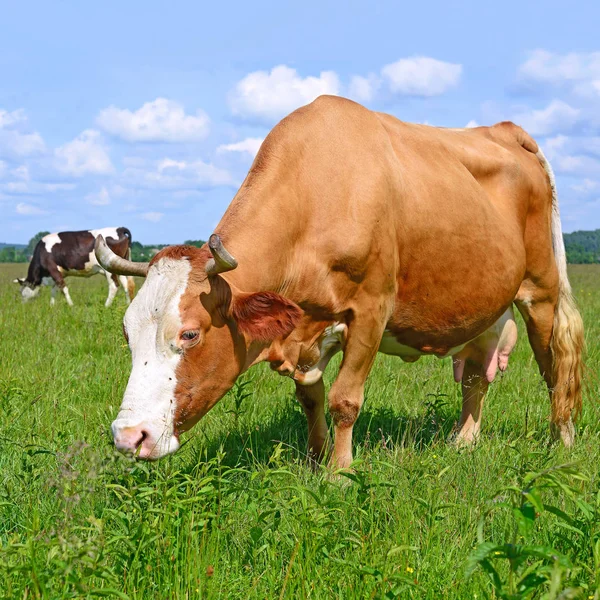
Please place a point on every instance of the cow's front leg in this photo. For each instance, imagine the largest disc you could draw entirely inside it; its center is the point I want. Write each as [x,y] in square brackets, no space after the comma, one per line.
[53,290]
[312,399]
[347,393]
[59,282]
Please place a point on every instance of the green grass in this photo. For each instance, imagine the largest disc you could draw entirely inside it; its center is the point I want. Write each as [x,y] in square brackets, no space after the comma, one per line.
[237,513]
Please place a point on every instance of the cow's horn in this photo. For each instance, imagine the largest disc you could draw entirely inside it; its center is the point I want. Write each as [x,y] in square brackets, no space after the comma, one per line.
[115,264]
[221,261]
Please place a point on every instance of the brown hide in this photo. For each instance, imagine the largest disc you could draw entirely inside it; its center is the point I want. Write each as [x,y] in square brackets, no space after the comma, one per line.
[363,220]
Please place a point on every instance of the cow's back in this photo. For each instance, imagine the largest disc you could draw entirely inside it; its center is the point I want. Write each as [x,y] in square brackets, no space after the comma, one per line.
[343,201]
[465,204]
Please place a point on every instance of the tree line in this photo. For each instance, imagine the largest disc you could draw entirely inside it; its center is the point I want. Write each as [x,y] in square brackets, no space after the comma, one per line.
[583,247]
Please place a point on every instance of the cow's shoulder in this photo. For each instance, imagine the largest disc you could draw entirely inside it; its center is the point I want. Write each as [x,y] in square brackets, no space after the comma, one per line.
[50,240]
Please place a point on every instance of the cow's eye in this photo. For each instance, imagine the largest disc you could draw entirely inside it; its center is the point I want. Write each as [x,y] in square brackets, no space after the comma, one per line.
[190,335]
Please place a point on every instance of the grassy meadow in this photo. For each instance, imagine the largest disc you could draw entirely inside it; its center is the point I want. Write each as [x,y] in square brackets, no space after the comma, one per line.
[237,513]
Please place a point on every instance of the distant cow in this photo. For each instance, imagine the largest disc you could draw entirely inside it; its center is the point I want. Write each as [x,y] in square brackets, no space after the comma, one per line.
[357,232]
[58,255]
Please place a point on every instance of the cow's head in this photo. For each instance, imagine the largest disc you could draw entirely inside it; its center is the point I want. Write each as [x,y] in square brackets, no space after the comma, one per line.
[191,334]
[28,290]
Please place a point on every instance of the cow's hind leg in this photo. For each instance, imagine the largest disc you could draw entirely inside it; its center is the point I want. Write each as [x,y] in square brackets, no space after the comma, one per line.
[312,399]
[476,365]
[113,287]
[128,285]
[474,385]
[555,331]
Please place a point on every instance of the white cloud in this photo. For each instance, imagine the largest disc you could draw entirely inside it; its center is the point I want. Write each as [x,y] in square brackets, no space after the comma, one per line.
[248,146]
[33,188]
[8,119]
[363,89]
[153,217]
[161,120]
[22,144]
[174,174]
[421,76]
[472,123]
[574,156]
[86,154]
[58,187]
[15,137]
[543,67]
[29,210]
[557,116]
[269,96]
[586,186]
[21,172]
[101,198]
[16,187]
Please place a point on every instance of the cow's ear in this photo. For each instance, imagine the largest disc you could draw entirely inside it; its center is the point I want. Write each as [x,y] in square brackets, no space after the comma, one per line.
[265,316]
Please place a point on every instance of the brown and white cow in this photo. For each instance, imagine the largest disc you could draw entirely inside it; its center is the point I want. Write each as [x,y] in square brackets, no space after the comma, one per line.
[355,231]
[71,253]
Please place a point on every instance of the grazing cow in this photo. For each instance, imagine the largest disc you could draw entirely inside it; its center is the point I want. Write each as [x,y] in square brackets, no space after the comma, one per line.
[60,255]
[357,232]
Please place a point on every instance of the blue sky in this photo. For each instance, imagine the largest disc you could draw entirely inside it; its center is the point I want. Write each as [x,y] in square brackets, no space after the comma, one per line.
[148,114]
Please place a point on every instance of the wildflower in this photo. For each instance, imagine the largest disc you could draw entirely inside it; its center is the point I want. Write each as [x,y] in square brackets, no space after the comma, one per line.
[410,570]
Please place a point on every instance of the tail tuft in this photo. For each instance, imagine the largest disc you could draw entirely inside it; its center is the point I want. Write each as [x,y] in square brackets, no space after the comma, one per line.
[567,343]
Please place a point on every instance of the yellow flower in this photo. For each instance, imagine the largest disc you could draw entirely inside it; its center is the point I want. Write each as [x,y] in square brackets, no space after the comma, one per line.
[410,570]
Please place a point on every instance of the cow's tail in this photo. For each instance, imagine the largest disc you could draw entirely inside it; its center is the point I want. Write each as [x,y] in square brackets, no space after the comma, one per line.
[567,340]
[124,231]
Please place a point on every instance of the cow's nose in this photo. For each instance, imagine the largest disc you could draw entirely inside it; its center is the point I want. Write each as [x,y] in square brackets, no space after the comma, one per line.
[129,439]
[145,440]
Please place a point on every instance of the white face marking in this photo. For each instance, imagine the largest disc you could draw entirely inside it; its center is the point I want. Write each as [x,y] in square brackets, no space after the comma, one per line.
[50,240]
[152,322]
[27,293]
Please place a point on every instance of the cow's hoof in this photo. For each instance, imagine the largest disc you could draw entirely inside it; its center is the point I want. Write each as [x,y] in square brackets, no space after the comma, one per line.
[565,432]
[463,439]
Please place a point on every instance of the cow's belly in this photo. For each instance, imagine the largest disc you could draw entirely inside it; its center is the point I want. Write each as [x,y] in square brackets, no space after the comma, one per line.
[88,271]
[390,345]
[491,349]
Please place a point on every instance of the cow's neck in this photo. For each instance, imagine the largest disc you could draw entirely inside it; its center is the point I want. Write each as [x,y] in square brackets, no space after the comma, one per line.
[261,238]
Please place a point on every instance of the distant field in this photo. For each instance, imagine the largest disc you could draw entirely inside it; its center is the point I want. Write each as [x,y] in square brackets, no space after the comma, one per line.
[238,514]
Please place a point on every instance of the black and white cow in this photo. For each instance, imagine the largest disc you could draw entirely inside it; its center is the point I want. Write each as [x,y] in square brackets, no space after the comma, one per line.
[58,255]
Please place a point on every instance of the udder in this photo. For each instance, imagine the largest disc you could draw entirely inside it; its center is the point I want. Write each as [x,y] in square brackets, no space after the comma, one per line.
[491,349]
